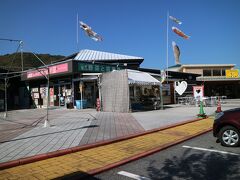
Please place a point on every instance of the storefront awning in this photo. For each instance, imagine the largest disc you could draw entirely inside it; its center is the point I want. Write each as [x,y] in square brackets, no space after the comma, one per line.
[141,78]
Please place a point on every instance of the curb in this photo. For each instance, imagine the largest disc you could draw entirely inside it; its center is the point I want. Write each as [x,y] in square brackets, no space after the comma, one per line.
[57,153]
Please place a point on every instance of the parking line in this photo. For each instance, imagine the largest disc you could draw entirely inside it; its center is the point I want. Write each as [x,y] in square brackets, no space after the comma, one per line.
[131,175]
[211,150]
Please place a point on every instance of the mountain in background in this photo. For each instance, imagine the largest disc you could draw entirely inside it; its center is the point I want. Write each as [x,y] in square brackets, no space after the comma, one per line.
[13,61]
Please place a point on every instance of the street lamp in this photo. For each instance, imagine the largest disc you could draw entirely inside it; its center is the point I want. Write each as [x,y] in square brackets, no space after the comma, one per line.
[47,76]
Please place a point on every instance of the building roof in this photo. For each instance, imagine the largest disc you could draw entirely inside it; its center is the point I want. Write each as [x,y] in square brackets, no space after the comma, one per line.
[208,65]
[91,55]
[172,75]
[141,78]
[216,78]
[176,67]
[179,67]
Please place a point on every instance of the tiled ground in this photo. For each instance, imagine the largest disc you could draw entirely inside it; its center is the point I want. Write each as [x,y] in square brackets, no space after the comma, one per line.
[20,121]
[109,126]
[69,128]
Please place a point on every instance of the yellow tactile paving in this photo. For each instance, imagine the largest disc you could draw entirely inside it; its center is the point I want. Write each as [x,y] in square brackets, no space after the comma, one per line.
[90,159]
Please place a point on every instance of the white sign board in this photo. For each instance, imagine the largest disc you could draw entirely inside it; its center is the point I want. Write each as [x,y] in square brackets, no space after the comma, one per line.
[198,92]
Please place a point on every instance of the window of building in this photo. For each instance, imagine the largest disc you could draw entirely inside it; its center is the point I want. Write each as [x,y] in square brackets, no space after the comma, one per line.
[207,73]
[216,72]
[223,72]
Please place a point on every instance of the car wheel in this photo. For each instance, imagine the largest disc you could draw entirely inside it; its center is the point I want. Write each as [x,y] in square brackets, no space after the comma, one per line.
[229,136]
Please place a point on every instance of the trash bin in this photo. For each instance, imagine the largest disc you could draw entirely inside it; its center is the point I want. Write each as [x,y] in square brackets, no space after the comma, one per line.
[69,105]
[81,104]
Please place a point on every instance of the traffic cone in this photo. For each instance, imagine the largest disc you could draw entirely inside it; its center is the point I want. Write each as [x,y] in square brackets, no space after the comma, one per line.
[201,111]
[218,107]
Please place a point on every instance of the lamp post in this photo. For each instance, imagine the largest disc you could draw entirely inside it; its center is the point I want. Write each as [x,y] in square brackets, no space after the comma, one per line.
[6,79]
[47,76]
[46,122]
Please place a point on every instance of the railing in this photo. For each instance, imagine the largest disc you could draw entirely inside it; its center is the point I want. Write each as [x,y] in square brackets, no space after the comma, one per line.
[207,101]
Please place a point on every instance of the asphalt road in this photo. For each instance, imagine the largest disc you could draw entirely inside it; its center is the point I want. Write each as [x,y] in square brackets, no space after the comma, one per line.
[183,162]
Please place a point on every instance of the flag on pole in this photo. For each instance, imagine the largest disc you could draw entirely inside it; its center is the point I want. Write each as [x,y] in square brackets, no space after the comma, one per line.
[176,52]
[180,33]
[175,20]
[88,30]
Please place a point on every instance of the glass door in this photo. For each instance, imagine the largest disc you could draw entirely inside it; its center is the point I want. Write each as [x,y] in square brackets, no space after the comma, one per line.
[89,94]
[62,95]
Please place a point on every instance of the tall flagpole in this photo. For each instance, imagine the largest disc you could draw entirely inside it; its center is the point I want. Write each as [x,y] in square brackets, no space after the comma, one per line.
[77,31]
[167,45]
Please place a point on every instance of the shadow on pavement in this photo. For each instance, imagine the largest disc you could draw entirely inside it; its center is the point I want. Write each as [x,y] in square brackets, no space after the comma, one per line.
[208,166]
[33,124]
[83,127]
[77,175]
[146,109]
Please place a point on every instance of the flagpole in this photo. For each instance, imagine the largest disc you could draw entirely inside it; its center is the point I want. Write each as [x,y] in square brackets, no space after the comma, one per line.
[167,45]
[77,32]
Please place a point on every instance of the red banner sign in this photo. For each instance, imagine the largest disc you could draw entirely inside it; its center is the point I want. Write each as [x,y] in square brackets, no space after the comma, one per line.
[52,70]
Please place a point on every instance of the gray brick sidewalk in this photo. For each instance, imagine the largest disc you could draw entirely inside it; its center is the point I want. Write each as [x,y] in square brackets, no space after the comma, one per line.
[69,128]
[171,115]
[111,125]
[66,131]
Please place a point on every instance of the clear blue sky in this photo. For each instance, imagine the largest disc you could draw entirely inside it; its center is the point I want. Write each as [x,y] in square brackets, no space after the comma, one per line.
[131,27]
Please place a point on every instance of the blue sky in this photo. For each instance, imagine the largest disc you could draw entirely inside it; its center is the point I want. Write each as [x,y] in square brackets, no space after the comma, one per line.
[131,27]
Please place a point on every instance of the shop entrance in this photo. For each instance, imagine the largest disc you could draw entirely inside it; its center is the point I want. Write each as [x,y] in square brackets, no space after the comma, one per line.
[62,94]
[89,93]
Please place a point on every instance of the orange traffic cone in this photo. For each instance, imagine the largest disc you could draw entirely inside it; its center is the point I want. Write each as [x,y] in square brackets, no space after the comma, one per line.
[218,107]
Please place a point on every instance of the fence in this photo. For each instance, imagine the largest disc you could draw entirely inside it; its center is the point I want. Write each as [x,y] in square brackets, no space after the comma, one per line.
[207,101]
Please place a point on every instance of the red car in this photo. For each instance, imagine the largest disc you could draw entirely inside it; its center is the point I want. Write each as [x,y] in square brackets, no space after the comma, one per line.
[226,127]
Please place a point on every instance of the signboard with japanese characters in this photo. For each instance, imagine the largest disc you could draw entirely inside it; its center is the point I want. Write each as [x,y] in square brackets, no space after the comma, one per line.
[60,68]
[233,73]
[89,67]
